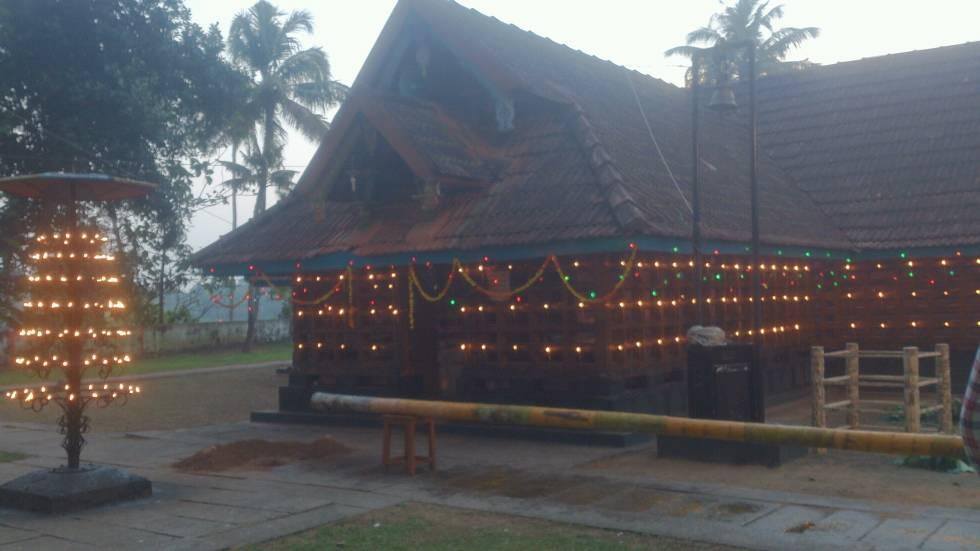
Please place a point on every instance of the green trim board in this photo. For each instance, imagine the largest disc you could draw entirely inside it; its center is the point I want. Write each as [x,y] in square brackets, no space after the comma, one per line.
[334,261]
[339,260]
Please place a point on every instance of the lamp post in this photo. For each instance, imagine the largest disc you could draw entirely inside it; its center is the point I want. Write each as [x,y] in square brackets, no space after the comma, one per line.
[696,188]
[723,100]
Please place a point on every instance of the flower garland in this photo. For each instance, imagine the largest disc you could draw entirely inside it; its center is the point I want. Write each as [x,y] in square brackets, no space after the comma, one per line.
[457,267]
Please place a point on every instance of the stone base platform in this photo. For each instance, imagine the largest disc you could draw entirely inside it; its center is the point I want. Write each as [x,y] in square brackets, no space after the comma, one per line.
[63,490]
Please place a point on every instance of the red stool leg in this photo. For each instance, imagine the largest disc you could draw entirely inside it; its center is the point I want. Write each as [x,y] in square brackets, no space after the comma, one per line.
[410,446]
[386,446]
[432,444]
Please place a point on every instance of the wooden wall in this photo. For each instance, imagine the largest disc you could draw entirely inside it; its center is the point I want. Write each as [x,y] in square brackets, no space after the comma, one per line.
[546,345]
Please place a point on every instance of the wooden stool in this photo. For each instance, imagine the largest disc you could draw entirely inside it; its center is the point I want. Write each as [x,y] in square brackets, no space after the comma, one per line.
[409,458]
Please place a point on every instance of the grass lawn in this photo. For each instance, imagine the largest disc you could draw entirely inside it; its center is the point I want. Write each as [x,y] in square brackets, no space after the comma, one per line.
[418,526]
[177,362]
[7,457]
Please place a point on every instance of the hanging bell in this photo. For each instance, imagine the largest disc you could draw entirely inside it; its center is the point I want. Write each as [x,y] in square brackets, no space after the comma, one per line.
[723,99]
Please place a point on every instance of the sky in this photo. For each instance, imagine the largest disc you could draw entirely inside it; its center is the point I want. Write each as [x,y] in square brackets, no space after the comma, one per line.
[633,33]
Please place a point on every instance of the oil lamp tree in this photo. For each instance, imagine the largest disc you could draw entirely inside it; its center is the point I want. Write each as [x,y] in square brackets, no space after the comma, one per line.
[72,327]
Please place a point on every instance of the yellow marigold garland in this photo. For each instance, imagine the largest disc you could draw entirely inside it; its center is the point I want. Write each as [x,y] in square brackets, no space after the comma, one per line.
[584,298]
[500,295]
[457,267]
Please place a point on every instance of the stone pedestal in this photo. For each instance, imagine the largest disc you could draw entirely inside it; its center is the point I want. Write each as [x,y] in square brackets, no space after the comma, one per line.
[62,490]
[710,450]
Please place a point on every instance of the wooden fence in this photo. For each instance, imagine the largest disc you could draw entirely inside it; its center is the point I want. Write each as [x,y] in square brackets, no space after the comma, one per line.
[909,381]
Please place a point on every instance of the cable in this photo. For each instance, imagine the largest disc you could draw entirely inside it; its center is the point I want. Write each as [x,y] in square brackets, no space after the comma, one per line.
[657,145]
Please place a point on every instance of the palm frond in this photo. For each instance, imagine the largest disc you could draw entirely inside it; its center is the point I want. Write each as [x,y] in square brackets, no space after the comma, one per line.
[770,17]
[787,38]
[299,20]
[318,96]
[305,65]
[237,169]
[683,51]
[302,118]
[703,35]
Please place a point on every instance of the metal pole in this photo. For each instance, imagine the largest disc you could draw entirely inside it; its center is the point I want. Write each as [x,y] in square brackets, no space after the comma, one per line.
[758,381]
[900,443]
[73,440]
[696,187]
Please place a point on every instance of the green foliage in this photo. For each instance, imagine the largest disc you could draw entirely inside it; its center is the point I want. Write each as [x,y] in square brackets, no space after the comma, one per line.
[183,361]
[897,414]
[740,22]
[941,464]
[8,457]
[131,88]
[288,84]
[181,314]
[415,526]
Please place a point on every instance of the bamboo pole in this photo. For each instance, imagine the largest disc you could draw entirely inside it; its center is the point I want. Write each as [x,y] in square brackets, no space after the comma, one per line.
[910,365]
[945,394]
[853,386]
[857,440]
[819,392]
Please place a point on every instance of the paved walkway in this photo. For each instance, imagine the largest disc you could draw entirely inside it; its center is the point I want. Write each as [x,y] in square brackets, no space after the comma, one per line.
[532,479]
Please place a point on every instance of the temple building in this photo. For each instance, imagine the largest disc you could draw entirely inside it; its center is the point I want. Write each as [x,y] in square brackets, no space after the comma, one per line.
[497,217]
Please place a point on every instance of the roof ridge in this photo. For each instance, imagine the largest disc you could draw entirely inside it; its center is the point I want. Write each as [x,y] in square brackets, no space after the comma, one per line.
[837,64]
[610,180]
[562,45]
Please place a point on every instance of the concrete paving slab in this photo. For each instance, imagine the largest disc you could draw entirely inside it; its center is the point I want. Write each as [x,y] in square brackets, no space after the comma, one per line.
[93,532]
[635,500]
[9,535]
[847,525]
[46,543]
[281,503]
[221,514]
[153,520]
[789,519]
[737,512]
[902,533]
[955,535]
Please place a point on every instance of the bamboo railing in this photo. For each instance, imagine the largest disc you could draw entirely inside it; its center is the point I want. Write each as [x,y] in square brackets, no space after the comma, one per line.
[909,382]
[940,445]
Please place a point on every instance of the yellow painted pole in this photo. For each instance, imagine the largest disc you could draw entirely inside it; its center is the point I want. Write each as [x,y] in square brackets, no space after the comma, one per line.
[812,437]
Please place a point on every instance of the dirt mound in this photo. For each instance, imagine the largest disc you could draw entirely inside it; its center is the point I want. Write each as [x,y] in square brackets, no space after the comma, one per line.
[259,454]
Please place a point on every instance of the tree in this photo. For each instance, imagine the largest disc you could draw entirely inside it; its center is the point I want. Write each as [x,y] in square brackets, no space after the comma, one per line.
[744,21]
[128,87]
[260,170]
[289,84]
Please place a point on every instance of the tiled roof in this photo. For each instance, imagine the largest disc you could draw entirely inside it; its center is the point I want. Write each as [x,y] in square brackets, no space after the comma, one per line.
[888,147]
[581,162]
[545,167]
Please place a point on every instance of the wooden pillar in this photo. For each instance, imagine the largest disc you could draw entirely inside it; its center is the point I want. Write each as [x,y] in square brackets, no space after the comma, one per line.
[853,385]
[945,394]
[819,397]
[910,363]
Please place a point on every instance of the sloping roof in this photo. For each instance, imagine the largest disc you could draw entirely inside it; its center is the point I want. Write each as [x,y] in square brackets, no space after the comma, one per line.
[426,130]
[587,166]
[888,147]
[545,166]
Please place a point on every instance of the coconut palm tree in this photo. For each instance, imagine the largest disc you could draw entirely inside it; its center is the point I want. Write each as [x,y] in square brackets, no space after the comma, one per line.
[259,169]
[289,85]
[738,23]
